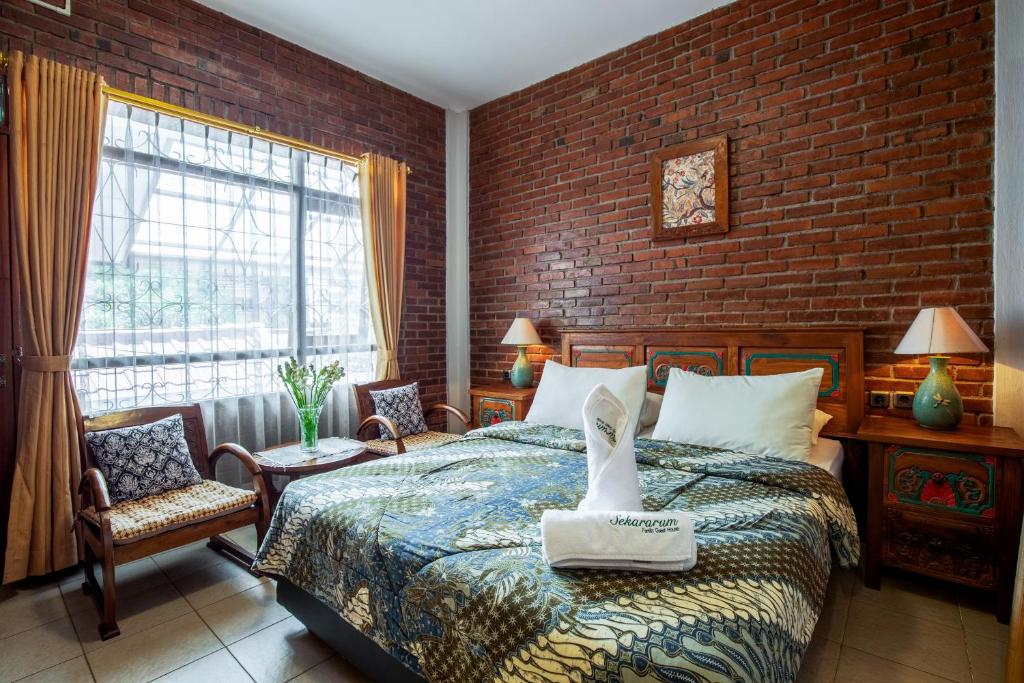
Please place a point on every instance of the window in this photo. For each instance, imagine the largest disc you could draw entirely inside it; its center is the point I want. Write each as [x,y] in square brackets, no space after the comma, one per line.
[213,255]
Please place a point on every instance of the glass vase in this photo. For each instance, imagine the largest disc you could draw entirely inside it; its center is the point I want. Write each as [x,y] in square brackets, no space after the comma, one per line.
[309,426]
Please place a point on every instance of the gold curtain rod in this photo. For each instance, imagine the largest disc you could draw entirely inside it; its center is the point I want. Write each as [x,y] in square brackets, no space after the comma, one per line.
[227,124]
[209,119]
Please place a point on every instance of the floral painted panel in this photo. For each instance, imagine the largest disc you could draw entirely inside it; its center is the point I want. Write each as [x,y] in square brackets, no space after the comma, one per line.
[688,190]
[436,556]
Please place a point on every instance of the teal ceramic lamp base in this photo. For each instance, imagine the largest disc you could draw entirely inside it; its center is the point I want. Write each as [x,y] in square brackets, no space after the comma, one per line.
[522,334]
[937,404]
[522,371]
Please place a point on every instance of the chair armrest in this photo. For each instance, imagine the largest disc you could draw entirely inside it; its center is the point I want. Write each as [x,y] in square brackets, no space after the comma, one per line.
[245,457]
[94,482]
[444,407]
[381,421]
[237,451]
[387,424]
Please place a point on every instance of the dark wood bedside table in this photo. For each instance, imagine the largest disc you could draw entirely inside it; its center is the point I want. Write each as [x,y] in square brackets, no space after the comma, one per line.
[496,403]
[944,503]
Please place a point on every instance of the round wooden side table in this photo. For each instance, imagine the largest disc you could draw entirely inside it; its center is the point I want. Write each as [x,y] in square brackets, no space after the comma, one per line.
[288,461]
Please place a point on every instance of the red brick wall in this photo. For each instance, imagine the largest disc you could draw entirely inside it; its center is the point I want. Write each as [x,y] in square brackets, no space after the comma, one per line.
[186,54]
[861,151]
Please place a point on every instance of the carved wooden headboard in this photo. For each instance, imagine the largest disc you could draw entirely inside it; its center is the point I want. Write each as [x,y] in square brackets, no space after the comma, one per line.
[839,351]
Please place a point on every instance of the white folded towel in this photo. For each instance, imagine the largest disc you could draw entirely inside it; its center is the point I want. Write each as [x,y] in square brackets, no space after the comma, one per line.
[609,529]
[612,480]
[646,541]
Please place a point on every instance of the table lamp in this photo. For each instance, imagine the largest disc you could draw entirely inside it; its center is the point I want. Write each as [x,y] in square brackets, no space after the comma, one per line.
[936,332]
[522,333]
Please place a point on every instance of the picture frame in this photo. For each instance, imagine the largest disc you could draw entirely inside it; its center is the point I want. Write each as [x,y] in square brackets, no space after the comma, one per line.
[63,7]
[690,189]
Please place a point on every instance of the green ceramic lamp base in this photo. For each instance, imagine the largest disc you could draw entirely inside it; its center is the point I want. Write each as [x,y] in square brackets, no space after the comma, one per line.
[522,371]
[937,403]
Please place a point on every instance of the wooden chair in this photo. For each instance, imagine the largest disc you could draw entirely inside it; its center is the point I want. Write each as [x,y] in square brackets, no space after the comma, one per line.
[370,424]
[129,530]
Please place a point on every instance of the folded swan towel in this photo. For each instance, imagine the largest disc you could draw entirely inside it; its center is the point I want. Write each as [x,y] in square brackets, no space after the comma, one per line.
[612,481]
[609,529]
[647,541]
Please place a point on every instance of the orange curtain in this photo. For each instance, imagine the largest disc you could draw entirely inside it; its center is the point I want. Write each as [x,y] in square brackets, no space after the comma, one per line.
[57,115]
[382,198]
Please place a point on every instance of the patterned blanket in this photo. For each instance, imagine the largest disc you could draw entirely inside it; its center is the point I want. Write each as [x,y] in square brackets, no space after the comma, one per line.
[436,556]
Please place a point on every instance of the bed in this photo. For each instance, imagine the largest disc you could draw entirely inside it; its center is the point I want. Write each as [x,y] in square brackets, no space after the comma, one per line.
[828,454]
[428,566]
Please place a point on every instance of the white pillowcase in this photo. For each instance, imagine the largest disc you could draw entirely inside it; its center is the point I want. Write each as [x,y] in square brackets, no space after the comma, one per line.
[821,418]
[649,413]
[764,415]
[563,390]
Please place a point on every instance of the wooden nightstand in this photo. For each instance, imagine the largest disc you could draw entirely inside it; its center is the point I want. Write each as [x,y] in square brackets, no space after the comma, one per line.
[496,403]
[944,503]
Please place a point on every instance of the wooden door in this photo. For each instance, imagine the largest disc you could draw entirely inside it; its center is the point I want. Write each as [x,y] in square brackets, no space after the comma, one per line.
[8,339]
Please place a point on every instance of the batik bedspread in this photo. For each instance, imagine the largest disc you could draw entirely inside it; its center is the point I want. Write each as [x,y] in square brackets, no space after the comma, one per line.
[436,556]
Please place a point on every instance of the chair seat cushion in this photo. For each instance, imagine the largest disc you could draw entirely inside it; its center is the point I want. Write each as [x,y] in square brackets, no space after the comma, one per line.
[413,442]
[133,520]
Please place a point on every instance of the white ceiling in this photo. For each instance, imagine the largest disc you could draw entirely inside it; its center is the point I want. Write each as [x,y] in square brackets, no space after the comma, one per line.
[461,53]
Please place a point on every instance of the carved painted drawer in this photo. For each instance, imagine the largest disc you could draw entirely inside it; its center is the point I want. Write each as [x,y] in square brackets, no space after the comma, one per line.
[941,481]
[499,403]
[495,410]
[953,550]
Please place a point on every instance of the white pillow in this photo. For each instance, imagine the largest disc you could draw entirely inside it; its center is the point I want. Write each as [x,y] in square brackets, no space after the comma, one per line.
[562,391]
[821,418]
[765,415]
[649,413]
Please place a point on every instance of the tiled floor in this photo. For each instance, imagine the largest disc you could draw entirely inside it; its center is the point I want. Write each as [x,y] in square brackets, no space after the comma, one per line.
[911,631]
[190,615]
[185,615]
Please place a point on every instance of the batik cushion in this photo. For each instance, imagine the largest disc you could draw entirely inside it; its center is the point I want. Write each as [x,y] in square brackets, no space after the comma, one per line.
[402,406]
[144,460]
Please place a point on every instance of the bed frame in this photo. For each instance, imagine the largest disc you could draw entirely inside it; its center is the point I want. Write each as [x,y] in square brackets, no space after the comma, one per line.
[840,351]
[348,641]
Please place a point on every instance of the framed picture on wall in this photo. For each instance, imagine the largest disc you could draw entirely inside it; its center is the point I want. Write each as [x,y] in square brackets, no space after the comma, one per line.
[62,6]
[690,189]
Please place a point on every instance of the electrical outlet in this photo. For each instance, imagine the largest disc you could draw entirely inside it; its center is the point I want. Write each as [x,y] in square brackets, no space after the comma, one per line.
[506,375]
[903,399]
[879,399]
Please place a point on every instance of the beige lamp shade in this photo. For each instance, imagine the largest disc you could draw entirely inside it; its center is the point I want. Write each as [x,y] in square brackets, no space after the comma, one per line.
[522,333]
[940,331]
